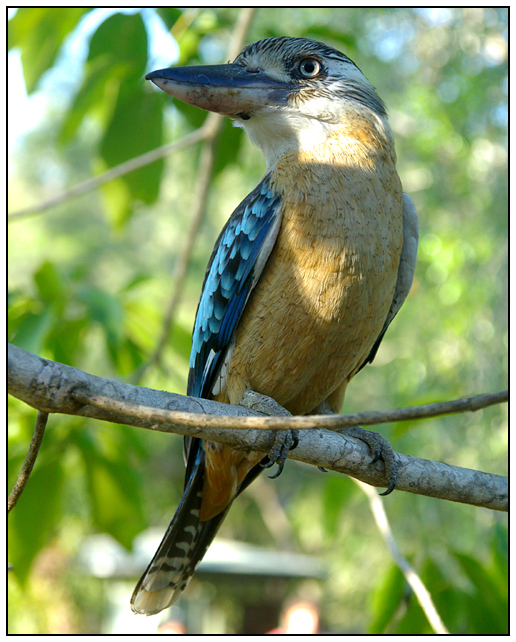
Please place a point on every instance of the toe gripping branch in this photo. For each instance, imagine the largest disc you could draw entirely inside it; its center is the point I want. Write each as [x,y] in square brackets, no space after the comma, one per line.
[381,449]
[393,477]
[284,442]
[287,440]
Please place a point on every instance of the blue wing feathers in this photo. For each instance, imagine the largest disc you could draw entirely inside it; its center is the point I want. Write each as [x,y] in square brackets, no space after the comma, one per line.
[233,270]
[229,279]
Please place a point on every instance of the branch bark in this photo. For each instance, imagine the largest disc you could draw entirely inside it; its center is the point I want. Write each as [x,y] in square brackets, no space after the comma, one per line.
[52,387]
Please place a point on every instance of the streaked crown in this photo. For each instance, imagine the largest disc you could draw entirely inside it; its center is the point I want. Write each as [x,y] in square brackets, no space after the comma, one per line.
[314,70]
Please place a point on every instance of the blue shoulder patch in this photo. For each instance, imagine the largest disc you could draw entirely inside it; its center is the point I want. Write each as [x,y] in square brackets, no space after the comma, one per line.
[229,279]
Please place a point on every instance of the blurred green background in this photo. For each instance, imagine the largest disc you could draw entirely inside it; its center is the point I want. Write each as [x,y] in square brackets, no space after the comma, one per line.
[90,280]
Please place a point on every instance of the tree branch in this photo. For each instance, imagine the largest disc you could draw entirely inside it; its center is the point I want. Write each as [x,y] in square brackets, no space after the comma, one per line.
[30,460]
[56,388]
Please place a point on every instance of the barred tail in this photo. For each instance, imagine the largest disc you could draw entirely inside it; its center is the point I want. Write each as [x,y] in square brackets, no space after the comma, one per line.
[182,548]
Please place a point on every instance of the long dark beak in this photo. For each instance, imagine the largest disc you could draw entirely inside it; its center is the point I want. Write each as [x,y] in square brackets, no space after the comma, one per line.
[225,89]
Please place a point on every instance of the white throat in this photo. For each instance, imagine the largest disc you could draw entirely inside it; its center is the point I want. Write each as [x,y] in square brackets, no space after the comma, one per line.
[279,131]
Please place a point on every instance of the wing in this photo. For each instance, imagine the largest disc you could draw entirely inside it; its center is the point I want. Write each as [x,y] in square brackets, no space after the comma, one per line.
[405,270]
[236,263]
[234,268]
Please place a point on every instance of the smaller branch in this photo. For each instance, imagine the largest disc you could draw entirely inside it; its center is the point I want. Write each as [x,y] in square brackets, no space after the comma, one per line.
[212,127]
[243,23]
[414,581]
[30,460]
[337,423]
[114,172]
[426,411]
[434,479]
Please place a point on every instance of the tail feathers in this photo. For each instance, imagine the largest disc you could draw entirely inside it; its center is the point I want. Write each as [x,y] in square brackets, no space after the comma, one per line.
[180,551]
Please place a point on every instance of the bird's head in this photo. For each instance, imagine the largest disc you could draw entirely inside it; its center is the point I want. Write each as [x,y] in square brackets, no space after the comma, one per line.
[287,93]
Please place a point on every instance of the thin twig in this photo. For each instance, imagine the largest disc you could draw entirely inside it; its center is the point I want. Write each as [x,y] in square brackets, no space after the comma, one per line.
[243,23]
[306,422]
[421,592]
[28,464]
[213,125]
[114,172]
[464,404]
[432,479]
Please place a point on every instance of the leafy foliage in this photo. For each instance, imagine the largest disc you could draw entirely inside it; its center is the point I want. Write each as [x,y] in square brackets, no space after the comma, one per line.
[479,607]
[39,37]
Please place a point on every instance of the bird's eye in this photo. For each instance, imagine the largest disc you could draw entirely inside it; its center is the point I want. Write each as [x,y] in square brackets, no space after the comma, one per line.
[309,67]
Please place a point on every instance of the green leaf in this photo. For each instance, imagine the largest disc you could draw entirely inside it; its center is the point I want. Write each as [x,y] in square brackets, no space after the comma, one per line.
[131,356]
[33,329]
[445,598]
[188,43]
[66,339]
[500,547]
[103,307]
[93,96]
[386,599]
[117,200]
[50,285]
[487,612]
[194,116]
[228,146]
[136,128]
[182,340]
[106,310]
[116,63]
[338,490]
[169,15]
[114,493]
[36,515]
[39,34]
[121,39]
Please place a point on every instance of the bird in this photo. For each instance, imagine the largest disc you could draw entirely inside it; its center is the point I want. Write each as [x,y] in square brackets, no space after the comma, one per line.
[305,276]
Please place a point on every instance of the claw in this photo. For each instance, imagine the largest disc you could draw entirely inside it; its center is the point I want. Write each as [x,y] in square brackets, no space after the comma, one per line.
[283,443]
[391,487]
[281,465]
[382,450]
[376,457]
[295,440]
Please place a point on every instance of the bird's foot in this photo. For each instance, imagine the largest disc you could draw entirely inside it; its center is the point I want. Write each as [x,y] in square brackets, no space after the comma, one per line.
[284,440]
[381,449]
